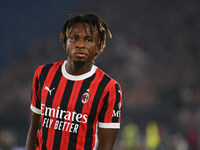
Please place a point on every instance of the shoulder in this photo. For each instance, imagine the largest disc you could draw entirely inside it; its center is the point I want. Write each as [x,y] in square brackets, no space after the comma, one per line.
[112,81]
[46,67]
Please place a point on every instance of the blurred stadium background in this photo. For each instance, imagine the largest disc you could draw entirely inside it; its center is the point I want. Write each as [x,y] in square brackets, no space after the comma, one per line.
[154,54]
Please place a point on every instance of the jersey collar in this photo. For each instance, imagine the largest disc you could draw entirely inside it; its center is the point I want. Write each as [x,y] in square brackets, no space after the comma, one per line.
[78,77]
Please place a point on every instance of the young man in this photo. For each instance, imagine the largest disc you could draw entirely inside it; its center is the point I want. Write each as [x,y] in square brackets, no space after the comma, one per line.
[75,105]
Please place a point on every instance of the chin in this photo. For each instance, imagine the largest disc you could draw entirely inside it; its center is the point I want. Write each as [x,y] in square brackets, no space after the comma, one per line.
[79,61]
[82,62]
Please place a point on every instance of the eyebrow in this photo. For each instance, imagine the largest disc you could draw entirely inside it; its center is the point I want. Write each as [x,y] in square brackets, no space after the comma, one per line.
[87,36]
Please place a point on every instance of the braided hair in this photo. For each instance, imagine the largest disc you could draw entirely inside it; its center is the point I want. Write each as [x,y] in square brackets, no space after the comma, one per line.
[91,19]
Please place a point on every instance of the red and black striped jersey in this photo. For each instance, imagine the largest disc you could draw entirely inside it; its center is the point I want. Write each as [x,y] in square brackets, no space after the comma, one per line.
[72,108]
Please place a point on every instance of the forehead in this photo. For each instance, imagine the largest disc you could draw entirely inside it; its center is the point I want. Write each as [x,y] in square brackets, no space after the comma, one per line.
[83,28]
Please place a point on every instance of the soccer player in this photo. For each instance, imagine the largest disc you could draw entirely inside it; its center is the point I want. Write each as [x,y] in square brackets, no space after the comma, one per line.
[75,105]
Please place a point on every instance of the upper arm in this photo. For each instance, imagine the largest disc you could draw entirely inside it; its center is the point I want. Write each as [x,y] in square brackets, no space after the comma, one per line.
[109,118]
[110,115]
[107,138]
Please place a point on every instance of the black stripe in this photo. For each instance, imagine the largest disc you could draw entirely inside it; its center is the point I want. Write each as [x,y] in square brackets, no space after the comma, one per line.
[78,109]
[63,106]
[92,115]
[116,108]
[44,73]
[43,76]
[49,102]
[104,108]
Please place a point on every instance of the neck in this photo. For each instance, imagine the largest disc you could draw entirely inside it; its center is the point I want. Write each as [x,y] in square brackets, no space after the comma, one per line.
[78,68]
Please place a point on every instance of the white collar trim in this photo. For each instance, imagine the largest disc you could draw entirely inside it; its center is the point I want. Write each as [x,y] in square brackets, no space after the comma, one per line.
[78,77]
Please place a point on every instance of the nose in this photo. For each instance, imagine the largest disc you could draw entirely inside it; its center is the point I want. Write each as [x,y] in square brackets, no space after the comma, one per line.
[80,43]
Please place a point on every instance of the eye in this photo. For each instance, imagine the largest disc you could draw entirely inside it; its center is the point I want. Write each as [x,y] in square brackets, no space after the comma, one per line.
[73,38]
[88,40]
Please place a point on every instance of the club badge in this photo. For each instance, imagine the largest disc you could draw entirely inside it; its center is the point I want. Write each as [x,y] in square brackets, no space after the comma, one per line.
[85,97]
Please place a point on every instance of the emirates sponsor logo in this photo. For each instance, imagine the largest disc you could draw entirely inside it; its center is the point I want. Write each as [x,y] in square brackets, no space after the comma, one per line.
[61,119]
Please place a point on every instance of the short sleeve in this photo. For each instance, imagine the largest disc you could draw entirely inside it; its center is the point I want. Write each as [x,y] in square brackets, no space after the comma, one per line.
[110,114]
[35,94]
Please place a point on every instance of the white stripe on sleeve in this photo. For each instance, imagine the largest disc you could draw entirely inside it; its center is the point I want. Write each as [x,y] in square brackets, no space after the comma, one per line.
[35,110]
[109,125]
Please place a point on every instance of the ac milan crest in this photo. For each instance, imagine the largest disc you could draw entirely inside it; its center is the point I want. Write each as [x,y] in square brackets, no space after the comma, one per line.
[85,97]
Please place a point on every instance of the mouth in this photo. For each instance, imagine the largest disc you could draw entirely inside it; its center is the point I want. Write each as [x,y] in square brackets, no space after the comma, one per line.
[80,54]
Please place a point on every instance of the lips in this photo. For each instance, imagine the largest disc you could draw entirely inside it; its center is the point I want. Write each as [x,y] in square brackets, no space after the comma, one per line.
[80,54]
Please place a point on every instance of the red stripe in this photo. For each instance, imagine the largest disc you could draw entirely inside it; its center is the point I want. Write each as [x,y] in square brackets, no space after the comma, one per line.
[71,105]
[56,103]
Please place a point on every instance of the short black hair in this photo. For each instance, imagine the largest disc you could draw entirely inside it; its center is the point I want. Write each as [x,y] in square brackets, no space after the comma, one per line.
[92,20]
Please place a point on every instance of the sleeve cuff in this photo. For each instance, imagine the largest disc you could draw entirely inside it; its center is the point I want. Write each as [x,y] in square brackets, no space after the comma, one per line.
[35,110]
[109,125]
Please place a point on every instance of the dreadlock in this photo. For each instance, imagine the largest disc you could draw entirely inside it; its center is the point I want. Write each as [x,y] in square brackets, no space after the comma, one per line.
[91,19]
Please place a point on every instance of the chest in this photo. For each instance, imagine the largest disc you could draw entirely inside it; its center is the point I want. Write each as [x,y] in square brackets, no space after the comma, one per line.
[71,100]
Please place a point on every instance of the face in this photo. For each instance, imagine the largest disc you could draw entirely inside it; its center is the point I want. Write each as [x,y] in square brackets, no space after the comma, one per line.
[81,46]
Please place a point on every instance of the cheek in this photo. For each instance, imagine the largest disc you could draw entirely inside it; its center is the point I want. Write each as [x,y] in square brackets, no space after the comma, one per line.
[94,52]
[68,47]
[93,49]
[67,50]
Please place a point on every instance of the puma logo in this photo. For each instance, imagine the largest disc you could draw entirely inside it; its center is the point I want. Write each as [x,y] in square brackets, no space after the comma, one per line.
[46,88]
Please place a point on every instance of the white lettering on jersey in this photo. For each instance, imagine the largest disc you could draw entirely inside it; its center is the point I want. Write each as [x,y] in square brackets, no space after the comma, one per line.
[63,114]
[116,113]
[69,120]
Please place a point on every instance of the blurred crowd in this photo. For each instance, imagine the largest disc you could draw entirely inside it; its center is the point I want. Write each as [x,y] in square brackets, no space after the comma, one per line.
[155,56]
